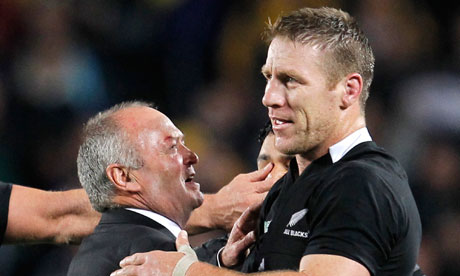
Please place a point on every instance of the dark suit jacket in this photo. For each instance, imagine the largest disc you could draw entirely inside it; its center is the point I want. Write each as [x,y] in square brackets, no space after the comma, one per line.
[120,233]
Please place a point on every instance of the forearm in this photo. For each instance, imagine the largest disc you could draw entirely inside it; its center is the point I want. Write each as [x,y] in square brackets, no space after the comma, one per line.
[204,269]
[73,216]
[41,216]
[214,213]
[221,210]
[201,218]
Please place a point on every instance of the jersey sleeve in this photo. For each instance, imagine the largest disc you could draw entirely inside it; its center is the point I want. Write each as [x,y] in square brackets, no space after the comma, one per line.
[355,217]
[5,193]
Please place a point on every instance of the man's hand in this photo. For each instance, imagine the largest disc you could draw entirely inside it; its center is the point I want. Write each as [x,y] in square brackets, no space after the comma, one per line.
[154,262]
[243,191]
[241,237]
[221,210]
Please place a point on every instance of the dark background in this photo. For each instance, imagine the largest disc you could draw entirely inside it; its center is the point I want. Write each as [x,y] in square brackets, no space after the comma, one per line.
[199,61]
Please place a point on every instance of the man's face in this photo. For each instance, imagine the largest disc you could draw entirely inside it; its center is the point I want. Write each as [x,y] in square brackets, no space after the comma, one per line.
[166,176]
[269,154]
[302,107]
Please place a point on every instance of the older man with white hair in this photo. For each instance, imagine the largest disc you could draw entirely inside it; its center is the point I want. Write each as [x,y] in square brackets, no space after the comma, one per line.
[138,172]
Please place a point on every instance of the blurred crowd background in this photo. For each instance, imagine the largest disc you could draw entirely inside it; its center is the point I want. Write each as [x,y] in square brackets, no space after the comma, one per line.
[199,62]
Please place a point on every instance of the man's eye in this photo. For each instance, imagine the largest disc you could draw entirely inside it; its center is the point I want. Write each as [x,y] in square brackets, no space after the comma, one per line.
[289,79]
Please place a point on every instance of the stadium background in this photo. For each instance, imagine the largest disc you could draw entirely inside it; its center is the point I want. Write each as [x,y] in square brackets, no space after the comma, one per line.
[199,61]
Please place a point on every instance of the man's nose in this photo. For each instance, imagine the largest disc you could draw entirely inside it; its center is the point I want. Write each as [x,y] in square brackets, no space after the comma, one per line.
[274,95]
[190,157]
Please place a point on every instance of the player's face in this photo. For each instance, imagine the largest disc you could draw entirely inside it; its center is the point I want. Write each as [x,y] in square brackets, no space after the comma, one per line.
[302,107]
[269,154]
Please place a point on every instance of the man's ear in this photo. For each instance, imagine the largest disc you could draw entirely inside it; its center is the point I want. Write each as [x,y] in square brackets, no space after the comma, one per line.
[119,175]
[353,87]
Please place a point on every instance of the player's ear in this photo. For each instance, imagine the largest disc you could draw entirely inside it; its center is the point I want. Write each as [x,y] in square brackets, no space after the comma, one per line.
[120,176]
[353,85]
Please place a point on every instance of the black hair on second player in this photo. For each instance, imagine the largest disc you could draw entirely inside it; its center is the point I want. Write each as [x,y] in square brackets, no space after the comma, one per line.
[263,132]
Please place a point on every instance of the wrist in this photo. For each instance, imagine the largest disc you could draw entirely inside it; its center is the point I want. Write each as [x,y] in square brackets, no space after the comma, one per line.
[194,269]
[184,263]
[219,257]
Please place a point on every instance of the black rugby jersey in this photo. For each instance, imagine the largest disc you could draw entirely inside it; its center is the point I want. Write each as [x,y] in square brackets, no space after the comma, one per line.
[360,207]
[5,192]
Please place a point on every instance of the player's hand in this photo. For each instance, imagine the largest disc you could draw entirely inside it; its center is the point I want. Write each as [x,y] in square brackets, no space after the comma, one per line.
[243,191]
[156,262]
[241,237]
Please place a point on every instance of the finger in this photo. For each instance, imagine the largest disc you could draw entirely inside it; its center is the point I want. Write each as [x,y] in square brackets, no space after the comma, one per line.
[248,219]
[126,271]
[244,243]
[182,239]
[136,259]
[237,232]
[265,185]
[245,223]
[261,174]
[233,250]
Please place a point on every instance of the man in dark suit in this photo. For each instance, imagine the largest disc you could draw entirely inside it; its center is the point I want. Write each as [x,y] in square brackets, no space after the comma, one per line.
[137,171]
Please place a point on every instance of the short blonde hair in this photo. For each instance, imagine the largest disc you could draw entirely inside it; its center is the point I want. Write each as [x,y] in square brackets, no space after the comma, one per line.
[334,31]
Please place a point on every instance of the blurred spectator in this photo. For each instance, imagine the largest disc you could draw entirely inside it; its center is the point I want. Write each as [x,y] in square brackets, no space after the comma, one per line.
[426,103]
[54,69]
[436,181]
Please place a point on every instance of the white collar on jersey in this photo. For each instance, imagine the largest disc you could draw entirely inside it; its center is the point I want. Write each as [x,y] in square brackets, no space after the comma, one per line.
[339,150]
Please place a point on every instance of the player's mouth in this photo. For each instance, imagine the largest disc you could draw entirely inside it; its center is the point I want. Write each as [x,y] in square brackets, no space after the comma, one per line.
[279,123]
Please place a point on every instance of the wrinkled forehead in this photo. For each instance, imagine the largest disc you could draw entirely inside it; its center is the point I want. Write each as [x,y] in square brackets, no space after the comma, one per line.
[160,131]
[163,128]
[148,124]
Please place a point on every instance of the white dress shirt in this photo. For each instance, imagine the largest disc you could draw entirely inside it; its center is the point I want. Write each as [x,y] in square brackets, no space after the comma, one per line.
[166,222]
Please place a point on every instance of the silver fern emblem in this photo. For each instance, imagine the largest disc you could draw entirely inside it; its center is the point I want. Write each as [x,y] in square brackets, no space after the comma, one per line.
[296,217]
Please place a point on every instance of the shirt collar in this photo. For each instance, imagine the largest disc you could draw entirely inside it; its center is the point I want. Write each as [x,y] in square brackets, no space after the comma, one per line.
[339,150]
[166,222]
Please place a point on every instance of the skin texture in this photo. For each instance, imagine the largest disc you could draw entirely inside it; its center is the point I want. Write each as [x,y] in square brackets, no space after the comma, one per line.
[308,115]
[37,216]
[167,167]
[241,237]
[269,154]
[222,209]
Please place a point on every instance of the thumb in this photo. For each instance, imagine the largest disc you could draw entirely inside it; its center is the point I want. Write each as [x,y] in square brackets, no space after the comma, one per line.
[266,185]
[136,259]
[182,239]
[262,173]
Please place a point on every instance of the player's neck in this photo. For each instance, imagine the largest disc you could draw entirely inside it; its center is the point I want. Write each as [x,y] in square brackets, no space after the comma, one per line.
[302,163]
